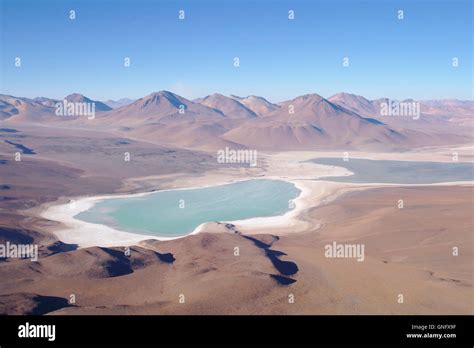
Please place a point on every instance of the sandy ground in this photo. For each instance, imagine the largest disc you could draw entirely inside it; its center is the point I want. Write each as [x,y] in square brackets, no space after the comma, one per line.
[408,251]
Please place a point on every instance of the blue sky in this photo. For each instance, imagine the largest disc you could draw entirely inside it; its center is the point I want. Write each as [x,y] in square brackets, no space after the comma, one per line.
[279,58]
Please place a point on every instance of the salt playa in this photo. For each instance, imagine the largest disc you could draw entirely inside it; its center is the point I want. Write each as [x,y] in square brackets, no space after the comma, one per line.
[314,191]
[84,233]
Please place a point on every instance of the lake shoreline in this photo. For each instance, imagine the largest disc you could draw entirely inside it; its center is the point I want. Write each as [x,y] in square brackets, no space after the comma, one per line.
[290,167]
[313,194]
[173,213]
[86,234]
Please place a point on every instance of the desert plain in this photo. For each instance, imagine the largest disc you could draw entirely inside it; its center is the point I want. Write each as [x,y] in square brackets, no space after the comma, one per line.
[409,265]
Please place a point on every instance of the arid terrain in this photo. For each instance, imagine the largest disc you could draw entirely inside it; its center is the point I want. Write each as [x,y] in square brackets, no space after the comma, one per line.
[281,267]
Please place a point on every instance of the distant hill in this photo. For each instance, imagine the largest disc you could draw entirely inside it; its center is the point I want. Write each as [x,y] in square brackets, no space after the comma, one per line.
[115,104]
[308,122]
[259,105]
[79,98]
[228,106]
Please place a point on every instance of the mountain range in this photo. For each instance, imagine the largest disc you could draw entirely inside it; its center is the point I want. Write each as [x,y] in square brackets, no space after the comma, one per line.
[308,122]
[115,104]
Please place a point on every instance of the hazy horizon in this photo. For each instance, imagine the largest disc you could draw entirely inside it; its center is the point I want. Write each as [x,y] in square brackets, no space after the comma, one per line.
[279,58]
[228,95]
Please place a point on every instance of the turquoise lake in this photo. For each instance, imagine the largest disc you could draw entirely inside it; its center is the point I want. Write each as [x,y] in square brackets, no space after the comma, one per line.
[178,212]
[399,172]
